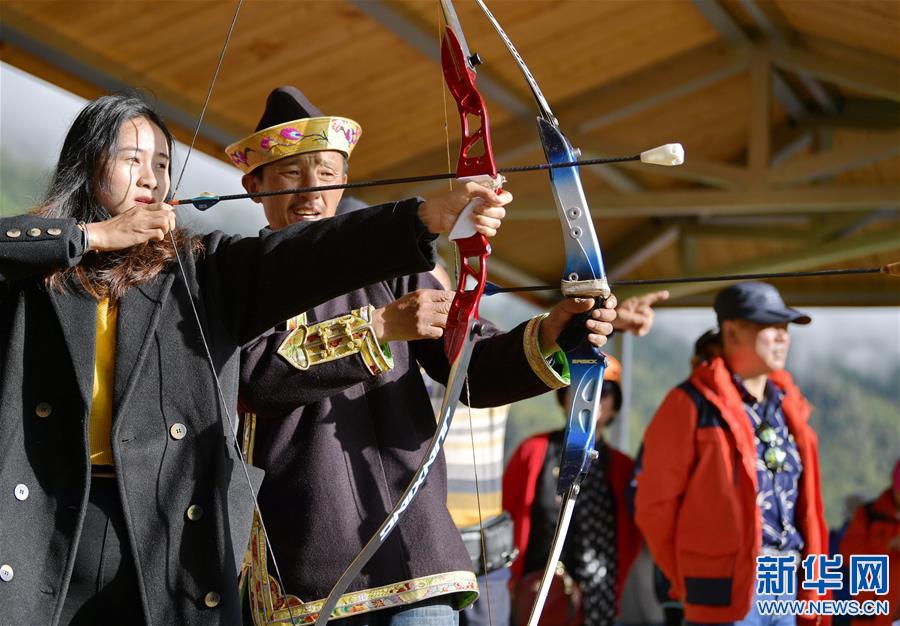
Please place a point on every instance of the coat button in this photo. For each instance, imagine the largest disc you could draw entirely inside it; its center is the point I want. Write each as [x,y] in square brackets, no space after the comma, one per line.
[34,232]
[194,512]
[21,492]
[54,232]
[12,233]
[178,430]
[43,409]
[211,599]
[555,472]
[6,573]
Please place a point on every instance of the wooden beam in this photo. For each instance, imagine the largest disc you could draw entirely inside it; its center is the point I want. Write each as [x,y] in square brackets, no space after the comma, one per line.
[687,253]
[411,30]
[797,144]
[732,32]
[772,22]
[614,176]
[714,174]
[639,245]
[783,220]
[858,113]
[785,94]
[649,88]
[721,20]
[607,103]
[759,233]
[848,224]
[759,139]
[846,158]
[799,297]
[811,199]
[817,255]
[867,72]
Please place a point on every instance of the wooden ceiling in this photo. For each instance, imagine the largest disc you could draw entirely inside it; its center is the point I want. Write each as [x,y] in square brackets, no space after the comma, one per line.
[789,111]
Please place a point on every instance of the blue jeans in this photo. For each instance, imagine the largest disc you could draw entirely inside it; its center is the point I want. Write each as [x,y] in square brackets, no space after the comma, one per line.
[433,612]
[496,587]
[753,618]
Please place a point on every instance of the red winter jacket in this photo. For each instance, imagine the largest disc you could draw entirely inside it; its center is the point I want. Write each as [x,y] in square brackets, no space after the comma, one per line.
[696,494]
[872,529]
[520,480]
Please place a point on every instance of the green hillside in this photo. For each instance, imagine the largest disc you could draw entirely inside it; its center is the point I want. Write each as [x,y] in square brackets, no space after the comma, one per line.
[21,185]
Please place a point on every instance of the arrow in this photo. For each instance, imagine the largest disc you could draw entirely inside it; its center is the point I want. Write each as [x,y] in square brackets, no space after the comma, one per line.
[891,269]
[667,155]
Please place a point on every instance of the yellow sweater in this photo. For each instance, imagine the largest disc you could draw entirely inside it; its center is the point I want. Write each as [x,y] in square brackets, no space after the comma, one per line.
[100,425]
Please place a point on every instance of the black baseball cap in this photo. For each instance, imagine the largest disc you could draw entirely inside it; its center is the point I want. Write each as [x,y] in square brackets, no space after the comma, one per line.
[756,302]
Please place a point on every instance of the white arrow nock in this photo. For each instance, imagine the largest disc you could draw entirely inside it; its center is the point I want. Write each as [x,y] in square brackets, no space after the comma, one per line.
[669,155]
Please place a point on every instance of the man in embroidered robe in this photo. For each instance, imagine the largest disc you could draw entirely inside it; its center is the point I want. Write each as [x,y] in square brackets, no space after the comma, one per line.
[341,416]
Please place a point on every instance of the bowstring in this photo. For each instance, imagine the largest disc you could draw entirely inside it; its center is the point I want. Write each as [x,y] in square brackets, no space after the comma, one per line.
[484,559]
[196,315]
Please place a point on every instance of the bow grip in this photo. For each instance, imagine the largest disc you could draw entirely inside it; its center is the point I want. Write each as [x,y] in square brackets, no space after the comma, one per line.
[465,224]
[575,333]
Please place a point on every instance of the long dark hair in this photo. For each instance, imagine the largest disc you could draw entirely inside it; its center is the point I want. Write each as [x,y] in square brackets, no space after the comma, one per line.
[90,145]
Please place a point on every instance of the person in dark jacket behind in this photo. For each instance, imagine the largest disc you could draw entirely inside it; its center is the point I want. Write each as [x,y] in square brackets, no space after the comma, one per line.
[127,502]
[603,539]
[730,467]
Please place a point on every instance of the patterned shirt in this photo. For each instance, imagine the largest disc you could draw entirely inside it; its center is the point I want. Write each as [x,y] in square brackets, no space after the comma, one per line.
[473,481]
[777,490]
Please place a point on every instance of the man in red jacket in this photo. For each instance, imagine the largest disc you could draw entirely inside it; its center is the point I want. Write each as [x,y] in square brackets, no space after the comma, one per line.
[603,539]
[875,529]
[730,467]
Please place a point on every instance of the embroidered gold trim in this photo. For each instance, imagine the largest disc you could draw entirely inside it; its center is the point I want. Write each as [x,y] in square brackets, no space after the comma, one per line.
[536,360]
[248,438]
[310,134]
[269,606]
[334,339]
[296,321]
[248,441]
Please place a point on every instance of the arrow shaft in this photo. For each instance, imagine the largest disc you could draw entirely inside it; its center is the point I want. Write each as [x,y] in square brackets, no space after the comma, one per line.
[708,279]
[211,200]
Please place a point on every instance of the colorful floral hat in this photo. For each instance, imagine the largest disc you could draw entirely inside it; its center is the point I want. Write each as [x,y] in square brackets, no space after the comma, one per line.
[291,125]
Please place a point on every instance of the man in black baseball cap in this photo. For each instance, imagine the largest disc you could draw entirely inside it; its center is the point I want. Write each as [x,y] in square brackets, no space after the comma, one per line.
[730,467]
[756,302]
[753,323]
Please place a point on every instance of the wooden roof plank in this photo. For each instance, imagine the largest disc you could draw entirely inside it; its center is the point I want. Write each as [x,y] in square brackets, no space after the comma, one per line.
[878,76]
[863,151]
[807,258]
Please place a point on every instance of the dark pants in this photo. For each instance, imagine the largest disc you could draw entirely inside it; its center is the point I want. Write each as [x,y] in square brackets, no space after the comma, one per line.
[104,586]
[494,586]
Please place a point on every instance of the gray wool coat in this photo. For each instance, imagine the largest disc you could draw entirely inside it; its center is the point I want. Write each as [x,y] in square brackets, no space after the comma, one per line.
[170,438]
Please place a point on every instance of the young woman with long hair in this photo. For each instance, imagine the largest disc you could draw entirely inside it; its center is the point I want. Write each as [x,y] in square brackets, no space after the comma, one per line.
[122,498]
